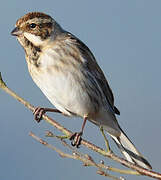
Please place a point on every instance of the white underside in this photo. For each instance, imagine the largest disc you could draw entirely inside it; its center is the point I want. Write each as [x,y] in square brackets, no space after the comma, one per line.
[62,88]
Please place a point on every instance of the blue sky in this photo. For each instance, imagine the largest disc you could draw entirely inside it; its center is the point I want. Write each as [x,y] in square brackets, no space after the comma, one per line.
[125,37]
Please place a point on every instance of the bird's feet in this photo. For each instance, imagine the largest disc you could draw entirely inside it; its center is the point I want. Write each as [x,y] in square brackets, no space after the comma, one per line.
[40,111]
[76,139]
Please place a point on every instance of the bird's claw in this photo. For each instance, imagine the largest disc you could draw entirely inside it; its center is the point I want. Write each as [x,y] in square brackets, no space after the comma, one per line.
[76,139]
[38,113]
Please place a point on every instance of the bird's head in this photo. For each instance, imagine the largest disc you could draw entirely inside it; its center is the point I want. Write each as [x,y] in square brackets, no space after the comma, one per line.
[38,28]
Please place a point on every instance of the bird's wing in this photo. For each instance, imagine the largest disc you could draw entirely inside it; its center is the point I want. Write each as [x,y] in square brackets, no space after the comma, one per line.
[94,68]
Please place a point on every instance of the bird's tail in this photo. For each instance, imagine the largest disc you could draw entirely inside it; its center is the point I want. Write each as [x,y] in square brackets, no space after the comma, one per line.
[109,123]
[129,150]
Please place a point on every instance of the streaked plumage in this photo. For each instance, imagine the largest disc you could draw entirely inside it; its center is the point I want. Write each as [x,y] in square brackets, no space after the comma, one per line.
[66,71]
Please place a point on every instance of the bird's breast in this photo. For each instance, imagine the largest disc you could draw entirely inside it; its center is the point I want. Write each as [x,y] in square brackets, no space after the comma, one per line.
[64,85]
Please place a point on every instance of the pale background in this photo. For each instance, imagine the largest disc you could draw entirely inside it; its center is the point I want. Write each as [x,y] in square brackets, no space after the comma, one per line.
[125,37]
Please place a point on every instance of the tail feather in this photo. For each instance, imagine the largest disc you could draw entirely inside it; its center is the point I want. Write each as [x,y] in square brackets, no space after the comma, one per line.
[109,122]
[129,151]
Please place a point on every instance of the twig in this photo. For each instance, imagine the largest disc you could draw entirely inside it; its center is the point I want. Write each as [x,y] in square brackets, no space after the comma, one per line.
[101,165]
[102,173]
[86,159]
[87,144]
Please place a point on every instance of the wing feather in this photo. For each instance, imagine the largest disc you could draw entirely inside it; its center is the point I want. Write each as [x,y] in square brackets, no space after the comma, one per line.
[94,68]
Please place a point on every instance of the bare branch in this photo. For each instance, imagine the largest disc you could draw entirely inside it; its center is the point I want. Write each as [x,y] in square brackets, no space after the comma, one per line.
[86,159]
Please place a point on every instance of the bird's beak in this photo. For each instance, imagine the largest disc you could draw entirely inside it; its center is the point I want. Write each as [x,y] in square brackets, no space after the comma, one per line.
[16,32]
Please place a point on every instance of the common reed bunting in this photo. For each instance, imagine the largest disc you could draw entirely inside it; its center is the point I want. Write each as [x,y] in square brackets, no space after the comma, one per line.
[66,71]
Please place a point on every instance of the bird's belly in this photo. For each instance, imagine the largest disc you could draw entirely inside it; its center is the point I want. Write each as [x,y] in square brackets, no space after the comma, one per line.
[67,91]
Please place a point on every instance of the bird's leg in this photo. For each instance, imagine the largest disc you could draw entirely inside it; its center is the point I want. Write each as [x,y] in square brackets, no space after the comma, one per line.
[105,138]
[76,137]
[39,111]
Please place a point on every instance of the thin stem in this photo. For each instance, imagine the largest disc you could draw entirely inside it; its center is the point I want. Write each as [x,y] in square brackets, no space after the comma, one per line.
[106,140]
[61,138]
[50,134]
[87,160]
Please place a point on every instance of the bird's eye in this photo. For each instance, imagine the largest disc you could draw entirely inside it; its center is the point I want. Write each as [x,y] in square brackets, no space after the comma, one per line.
[32,25]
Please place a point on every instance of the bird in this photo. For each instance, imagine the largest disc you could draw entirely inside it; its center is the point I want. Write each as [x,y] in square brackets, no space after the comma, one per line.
[66,71]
